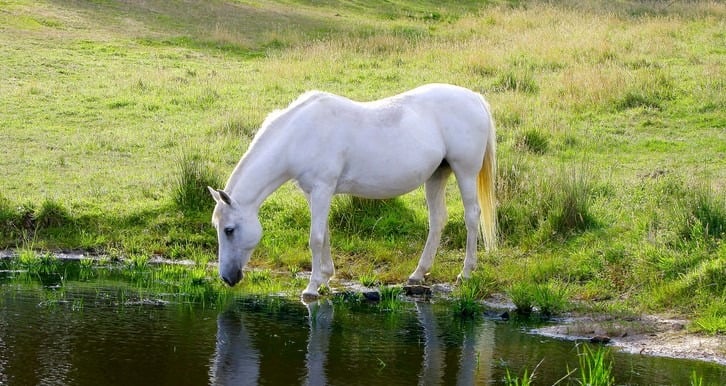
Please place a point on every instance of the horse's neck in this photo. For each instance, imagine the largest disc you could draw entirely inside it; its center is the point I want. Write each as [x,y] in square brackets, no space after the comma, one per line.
[256,177]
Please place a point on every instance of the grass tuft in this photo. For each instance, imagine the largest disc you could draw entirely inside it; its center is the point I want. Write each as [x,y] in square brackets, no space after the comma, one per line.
[533,141]
[51,214]
[190,193]
[380,218]
[704,215]
[369,279]
[595,366]
[523,296]
[551,298]
[522,82]
[513,380]
[570,209]
[391,298]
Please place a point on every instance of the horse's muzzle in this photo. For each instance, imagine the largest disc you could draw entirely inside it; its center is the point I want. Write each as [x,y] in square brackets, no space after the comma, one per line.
[232,279]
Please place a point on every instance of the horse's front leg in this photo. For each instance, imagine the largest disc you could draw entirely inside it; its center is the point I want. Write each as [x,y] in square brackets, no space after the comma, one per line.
[323,268]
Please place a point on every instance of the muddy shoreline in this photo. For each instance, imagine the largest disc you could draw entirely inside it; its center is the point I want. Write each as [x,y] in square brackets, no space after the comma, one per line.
[646,335]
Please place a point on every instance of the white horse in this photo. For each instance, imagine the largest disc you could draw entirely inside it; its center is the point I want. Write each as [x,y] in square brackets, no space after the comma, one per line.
[329,144]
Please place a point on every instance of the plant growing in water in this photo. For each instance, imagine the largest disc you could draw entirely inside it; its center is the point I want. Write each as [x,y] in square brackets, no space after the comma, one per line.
[695,379]
[525,380]
[513,380]
[470,291]
[595,366]
[391,298]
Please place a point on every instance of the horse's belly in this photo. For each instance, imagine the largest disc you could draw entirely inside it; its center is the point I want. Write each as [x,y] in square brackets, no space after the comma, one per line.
[381,178]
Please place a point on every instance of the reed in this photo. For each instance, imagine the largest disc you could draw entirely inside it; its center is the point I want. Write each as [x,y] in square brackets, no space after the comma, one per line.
[595,366]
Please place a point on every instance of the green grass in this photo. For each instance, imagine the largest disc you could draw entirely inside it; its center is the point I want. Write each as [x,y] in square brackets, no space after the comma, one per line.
[523,297]
[595,366]
[466,299]
[116,116]
[513,380]
[391,299]
[368,279]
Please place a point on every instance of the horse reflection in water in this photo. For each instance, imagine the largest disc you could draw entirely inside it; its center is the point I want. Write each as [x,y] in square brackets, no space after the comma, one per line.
[461,350]
[476,356]
[320,318]
[237,360]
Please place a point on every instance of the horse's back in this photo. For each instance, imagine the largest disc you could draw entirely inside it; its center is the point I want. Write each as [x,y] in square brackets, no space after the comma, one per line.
[386,147]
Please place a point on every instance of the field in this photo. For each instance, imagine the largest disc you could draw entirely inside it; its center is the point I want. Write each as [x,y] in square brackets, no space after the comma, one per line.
[115,115]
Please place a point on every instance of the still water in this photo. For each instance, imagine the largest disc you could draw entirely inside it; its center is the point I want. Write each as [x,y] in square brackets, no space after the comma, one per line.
[96,334]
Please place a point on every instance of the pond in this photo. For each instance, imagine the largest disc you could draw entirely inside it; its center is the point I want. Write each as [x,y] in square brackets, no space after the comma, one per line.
[102,331]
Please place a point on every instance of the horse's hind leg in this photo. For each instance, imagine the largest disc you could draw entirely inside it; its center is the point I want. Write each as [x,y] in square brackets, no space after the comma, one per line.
[472,213]
[436,201]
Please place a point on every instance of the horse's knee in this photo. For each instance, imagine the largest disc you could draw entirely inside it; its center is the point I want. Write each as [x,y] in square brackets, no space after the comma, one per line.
[317,241]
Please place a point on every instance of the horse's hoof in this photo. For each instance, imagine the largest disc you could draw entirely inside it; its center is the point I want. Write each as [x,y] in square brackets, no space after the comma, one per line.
[417,290]
[415,281]
[460,279]
[309,297]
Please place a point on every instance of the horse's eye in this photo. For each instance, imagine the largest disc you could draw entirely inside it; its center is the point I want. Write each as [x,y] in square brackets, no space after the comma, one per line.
[228,231]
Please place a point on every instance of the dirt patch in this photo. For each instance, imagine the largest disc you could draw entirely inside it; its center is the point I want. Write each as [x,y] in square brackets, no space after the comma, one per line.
[647,335]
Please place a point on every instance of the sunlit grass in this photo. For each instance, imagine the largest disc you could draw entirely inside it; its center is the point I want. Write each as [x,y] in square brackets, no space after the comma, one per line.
[391,299]
[596,366]
[116,120]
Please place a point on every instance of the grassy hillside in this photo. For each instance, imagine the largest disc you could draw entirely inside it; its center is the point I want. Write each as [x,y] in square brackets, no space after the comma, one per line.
[611,131]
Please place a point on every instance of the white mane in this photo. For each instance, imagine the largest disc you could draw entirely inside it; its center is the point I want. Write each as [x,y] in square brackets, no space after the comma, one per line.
[304,99]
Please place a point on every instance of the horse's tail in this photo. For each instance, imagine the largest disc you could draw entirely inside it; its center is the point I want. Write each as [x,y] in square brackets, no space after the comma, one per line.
[486,186]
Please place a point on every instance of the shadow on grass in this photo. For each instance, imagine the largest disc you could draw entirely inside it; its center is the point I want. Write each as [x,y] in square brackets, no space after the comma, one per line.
[154,231]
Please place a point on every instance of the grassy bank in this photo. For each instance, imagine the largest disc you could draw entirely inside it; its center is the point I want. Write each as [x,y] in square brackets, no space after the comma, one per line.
[115,116]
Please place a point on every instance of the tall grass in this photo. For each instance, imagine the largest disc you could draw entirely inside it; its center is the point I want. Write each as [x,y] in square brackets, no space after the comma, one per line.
[552,298]
[51,214]
[571,200]
[194,175]
[391,299]
[704,214]
[712,320]
[526,379]
[595,366]
[558,204]
[523,297]
[533,140]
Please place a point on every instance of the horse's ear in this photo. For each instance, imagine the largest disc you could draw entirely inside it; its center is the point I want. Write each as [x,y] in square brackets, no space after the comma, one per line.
[220,195]
[214,193]
[224,197]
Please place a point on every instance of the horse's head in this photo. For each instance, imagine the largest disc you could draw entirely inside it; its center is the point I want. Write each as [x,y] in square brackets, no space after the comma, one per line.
[238,233]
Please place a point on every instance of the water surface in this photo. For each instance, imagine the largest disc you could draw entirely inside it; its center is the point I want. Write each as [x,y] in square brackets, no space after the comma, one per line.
[103,333]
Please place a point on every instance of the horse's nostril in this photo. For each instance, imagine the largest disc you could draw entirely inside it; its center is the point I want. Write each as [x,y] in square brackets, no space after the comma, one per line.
[233,279]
